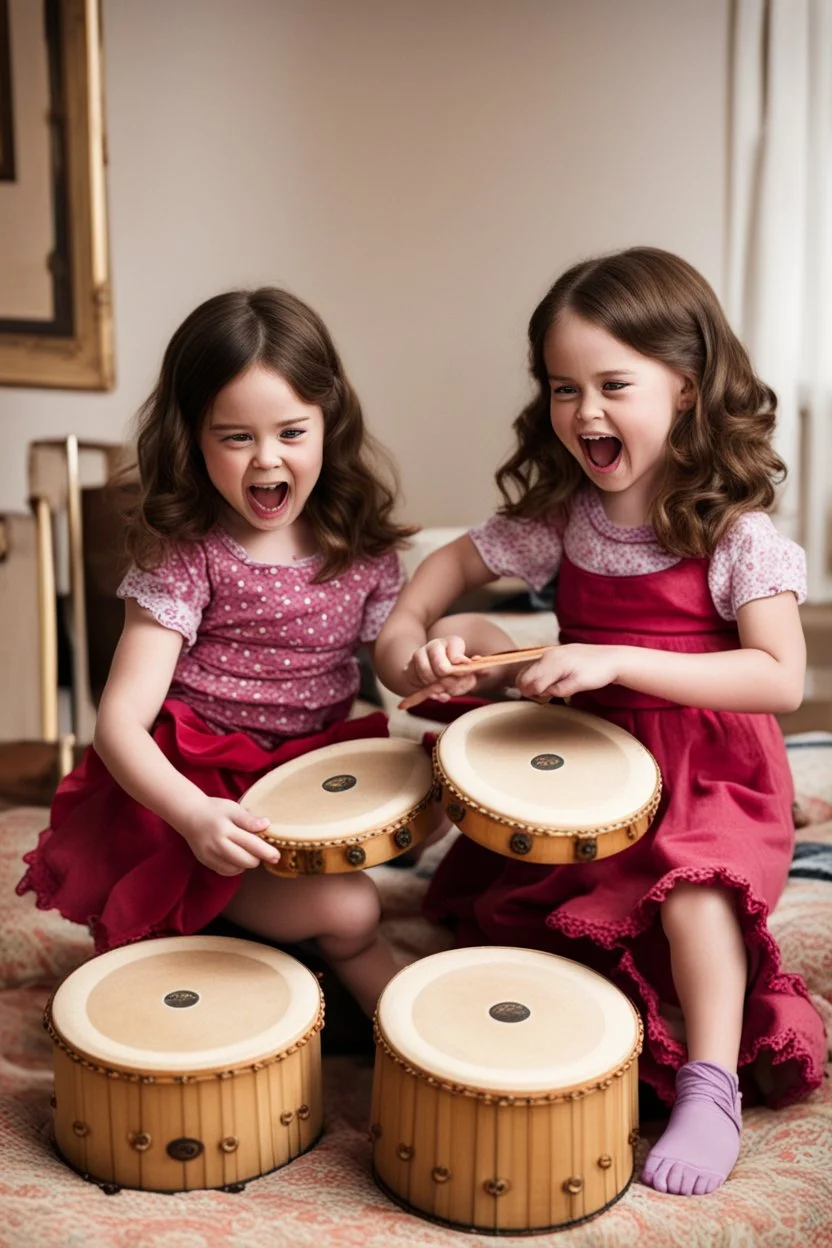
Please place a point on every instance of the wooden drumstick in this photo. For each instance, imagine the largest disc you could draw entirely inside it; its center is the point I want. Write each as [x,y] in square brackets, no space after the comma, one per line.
[479,664]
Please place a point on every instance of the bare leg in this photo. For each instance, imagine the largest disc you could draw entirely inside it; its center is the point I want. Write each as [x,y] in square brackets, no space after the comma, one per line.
[340,912]
[709,964]
[710,967]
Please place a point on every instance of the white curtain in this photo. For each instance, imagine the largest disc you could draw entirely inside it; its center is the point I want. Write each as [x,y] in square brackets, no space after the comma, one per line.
[779,279]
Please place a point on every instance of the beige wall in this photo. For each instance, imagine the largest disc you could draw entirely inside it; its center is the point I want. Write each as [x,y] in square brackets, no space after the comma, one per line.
[418,170]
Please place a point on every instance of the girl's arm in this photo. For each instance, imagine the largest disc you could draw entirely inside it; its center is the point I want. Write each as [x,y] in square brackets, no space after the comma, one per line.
[766,674]
[417,646]
[220,832]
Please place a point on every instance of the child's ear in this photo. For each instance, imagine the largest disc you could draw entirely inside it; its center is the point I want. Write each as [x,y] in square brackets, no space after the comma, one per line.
[688,394]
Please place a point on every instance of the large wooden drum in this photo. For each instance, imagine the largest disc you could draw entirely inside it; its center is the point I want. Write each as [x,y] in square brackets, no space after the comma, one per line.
[346,806]
[505,1096]
[546,783]
[186,1062]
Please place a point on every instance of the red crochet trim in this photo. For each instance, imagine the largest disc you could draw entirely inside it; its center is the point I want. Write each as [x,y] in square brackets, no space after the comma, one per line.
[668,1052]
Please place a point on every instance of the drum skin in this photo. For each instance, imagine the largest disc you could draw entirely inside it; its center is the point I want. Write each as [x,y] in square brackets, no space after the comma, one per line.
[545,784]
[345,807]
[469,1128]
[144,1099]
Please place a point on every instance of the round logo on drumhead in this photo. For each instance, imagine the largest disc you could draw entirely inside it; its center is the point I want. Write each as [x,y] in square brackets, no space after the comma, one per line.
[339,784]
[181,998]
[547,762]
[509,1012]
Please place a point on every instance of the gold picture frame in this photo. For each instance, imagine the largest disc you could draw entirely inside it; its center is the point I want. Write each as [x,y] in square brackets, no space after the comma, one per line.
[72,346]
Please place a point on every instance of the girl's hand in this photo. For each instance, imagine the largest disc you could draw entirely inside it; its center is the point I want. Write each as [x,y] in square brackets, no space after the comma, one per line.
[223,836]
[564,670]
[432,667]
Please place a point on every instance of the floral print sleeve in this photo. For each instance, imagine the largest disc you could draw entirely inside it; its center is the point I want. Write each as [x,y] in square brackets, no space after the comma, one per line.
[754,561]
[382,599]
[176,592]
[530,549]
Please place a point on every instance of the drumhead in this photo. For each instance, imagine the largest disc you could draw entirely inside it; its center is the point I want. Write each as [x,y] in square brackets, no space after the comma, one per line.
[342,790]
[548,766]
[514,1021]
[186,1004]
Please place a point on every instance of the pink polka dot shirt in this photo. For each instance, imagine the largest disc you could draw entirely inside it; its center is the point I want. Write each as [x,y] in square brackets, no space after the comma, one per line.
[266,651]
[751,561]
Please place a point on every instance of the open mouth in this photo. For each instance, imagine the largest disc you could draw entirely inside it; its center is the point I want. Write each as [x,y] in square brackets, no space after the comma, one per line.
[602,452]
[268,501]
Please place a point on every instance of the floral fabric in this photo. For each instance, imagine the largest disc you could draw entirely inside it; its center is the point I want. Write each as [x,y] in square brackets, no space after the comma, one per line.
[752,561]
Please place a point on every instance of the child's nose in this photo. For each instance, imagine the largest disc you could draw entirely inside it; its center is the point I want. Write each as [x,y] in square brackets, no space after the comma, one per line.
[268,454]
[590,405]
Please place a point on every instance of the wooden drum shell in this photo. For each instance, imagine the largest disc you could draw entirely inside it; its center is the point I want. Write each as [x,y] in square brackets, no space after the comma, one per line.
[116,1128]
[539,841]
[354,853]
[533,843]
[511,1118]
[501,1166]
[168,1131]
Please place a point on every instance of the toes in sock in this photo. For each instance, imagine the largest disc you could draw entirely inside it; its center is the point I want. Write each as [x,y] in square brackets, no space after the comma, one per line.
[697,1152]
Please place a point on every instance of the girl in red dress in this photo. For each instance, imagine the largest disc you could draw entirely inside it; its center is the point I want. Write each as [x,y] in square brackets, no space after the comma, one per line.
[263,556]
[641,477]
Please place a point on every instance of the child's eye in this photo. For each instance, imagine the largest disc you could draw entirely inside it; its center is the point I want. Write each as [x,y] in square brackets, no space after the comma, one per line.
[566,391]
[289,435]
[238,437]
[615,385]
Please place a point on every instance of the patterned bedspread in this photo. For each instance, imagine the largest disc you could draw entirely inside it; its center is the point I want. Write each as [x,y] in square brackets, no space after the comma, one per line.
[780,1195]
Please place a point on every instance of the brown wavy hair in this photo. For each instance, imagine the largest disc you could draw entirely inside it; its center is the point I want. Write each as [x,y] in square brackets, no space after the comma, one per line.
[719,462]
[349,509]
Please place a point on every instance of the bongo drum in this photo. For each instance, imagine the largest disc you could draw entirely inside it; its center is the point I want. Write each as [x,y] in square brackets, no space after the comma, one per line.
[186,1062]
[505,1094]
[546,783]
[346,806]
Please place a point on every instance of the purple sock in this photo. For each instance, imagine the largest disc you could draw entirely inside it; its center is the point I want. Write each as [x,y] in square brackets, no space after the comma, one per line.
[697,1152]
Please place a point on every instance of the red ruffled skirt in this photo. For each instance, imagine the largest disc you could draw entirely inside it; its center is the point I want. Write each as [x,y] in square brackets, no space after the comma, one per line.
[109,863]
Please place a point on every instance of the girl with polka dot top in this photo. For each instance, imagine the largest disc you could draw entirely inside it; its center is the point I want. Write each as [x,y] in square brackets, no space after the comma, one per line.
[263,555]
[641,478]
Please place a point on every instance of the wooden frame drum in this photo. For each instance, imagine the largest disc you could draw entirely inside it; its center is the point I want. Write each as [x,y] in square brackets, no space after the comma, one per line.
[546,783]
[505,1094]
[346,806]
[186,1062]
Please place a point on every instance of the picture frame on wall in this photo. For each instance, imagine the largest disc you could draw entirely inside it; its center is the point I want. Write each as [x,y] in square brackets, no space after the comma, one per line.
[56,321]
